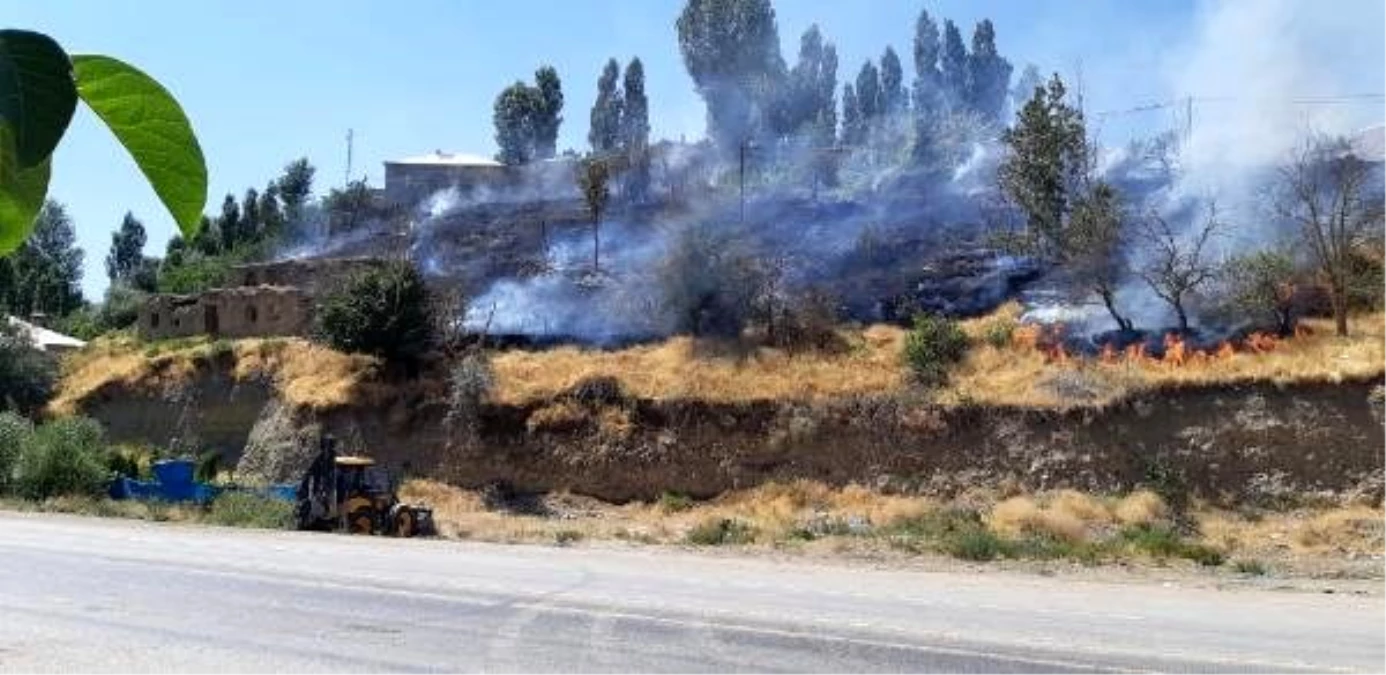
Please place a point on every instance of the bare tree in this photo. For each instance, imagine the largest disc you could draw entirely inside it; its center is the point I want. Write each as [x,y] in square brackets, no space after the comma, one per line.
[1179,264]
[1093,248]
[1331,195]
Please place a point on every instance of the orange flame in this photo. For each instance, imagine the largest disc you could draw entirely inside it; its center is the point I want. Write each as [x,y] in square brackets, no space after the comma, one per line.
[1225,350]
[1261,343]
[1174,349]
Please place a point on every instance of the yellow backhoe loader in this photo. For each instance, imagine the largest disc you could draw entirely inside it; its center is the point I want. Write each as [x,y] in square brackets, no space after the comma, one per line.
[349,493]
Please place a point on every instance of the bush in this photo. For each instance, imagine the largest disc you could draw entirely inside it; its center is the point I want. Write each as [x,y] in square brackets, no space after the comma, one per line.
[471,382]
[999,333]
[15,432]
[194,274]
[242,509]
[27,376]
[63,457]
[385,312]
[720,531]
[932,347]
[708,288]
[673,502]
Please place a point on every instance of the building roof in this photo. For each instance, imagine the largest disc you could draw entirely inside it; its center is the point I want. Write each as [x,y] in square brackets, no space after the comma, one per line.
[45,340]
[440,158]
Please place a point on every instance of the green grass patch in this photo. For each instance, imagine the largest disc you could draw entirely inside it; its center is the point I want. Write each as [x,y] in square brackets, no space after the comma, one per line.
[720,532]
[240,509]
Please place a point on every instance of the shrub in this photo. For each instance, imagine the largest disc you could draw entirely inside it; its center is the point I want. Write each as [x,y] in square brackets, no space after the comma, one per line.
[470,384]
[14,434]
[673,502]
[242,509]
[932,346]
[1254,568]
[720,531]
[808,322]
[208,466]
[707,286]
[566,537]
[1162,541]
[977,545]
[63,457]
[385,312]
[27,376]
[999,333]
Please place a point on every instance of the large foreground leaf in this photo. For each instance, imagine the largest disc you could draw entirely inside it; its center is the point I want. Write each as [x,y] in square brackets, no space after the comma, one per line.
[37,96]
[151,125]
[22,191]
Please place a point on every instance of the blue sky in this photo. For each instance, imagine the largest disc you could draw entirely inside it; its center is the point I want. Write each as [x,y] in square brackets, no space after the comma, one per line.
[265,82]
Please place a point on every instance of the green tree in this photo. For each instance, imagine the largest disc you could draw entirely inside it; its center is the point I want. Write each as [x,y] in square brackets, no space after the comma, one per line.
[548,117]
[1262,285]
[635,131]
[386,312]
[38,96]
[229,224]
[953,65]
[252,223]
[294,187]
[869,94]
[27,376]
[927,91]
[271,214]
[353,206]
[731,49]
[989,75]
[893,98]
[605,132]
[47,268]
[207,239]
[851,117]
[127,249]
[513,117]
[1070,220]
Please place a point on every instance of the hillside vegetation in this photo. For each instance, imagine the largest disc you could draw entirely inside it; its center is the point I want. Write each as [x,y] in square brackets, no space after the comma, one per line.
[997,372]
[303,373]
[1013,373]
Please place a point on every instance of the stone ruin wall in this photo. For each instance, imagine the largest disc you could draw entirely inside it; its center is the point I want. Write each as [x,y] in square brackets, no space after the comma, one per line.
[260,311]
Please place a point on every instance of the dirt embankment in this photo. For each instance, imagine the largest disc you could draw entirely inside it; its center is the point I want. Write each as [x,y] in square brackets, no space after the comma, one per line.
[1249,442]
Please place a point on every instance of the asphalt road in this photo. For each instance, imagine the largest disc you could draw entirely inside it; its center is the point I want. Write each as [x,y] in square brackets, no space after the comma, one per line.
[106,595]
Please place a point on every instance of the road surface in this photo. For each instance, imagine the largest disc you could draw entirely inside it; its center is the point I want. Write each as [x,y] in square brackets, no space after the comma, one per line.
[82,594]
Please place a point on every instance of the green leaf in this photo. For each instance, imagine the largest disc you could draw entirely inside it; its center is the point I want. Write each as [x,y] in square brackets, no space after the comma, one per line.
[22,191]
[147,120]
[37,95]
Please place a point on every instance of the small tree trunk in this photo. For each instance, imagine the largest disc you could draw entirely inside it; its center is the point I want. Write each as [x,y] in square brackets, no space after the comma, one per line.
[1183,317]
[596,243]
[1109,300]
[1340,311]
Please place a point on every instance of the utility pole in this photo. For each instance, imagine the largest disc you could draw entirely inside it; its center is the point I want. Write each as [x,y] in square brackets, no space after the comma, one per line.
[741,178]
[349,139]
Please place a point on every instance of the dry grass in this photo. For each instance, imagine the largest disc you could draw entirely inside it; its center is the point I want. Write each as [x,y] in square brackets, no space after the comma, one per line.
[815,517]
[1067,515]
[1019,375]
[1011,375]
[680,368]
[303,373]
[1335,531]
